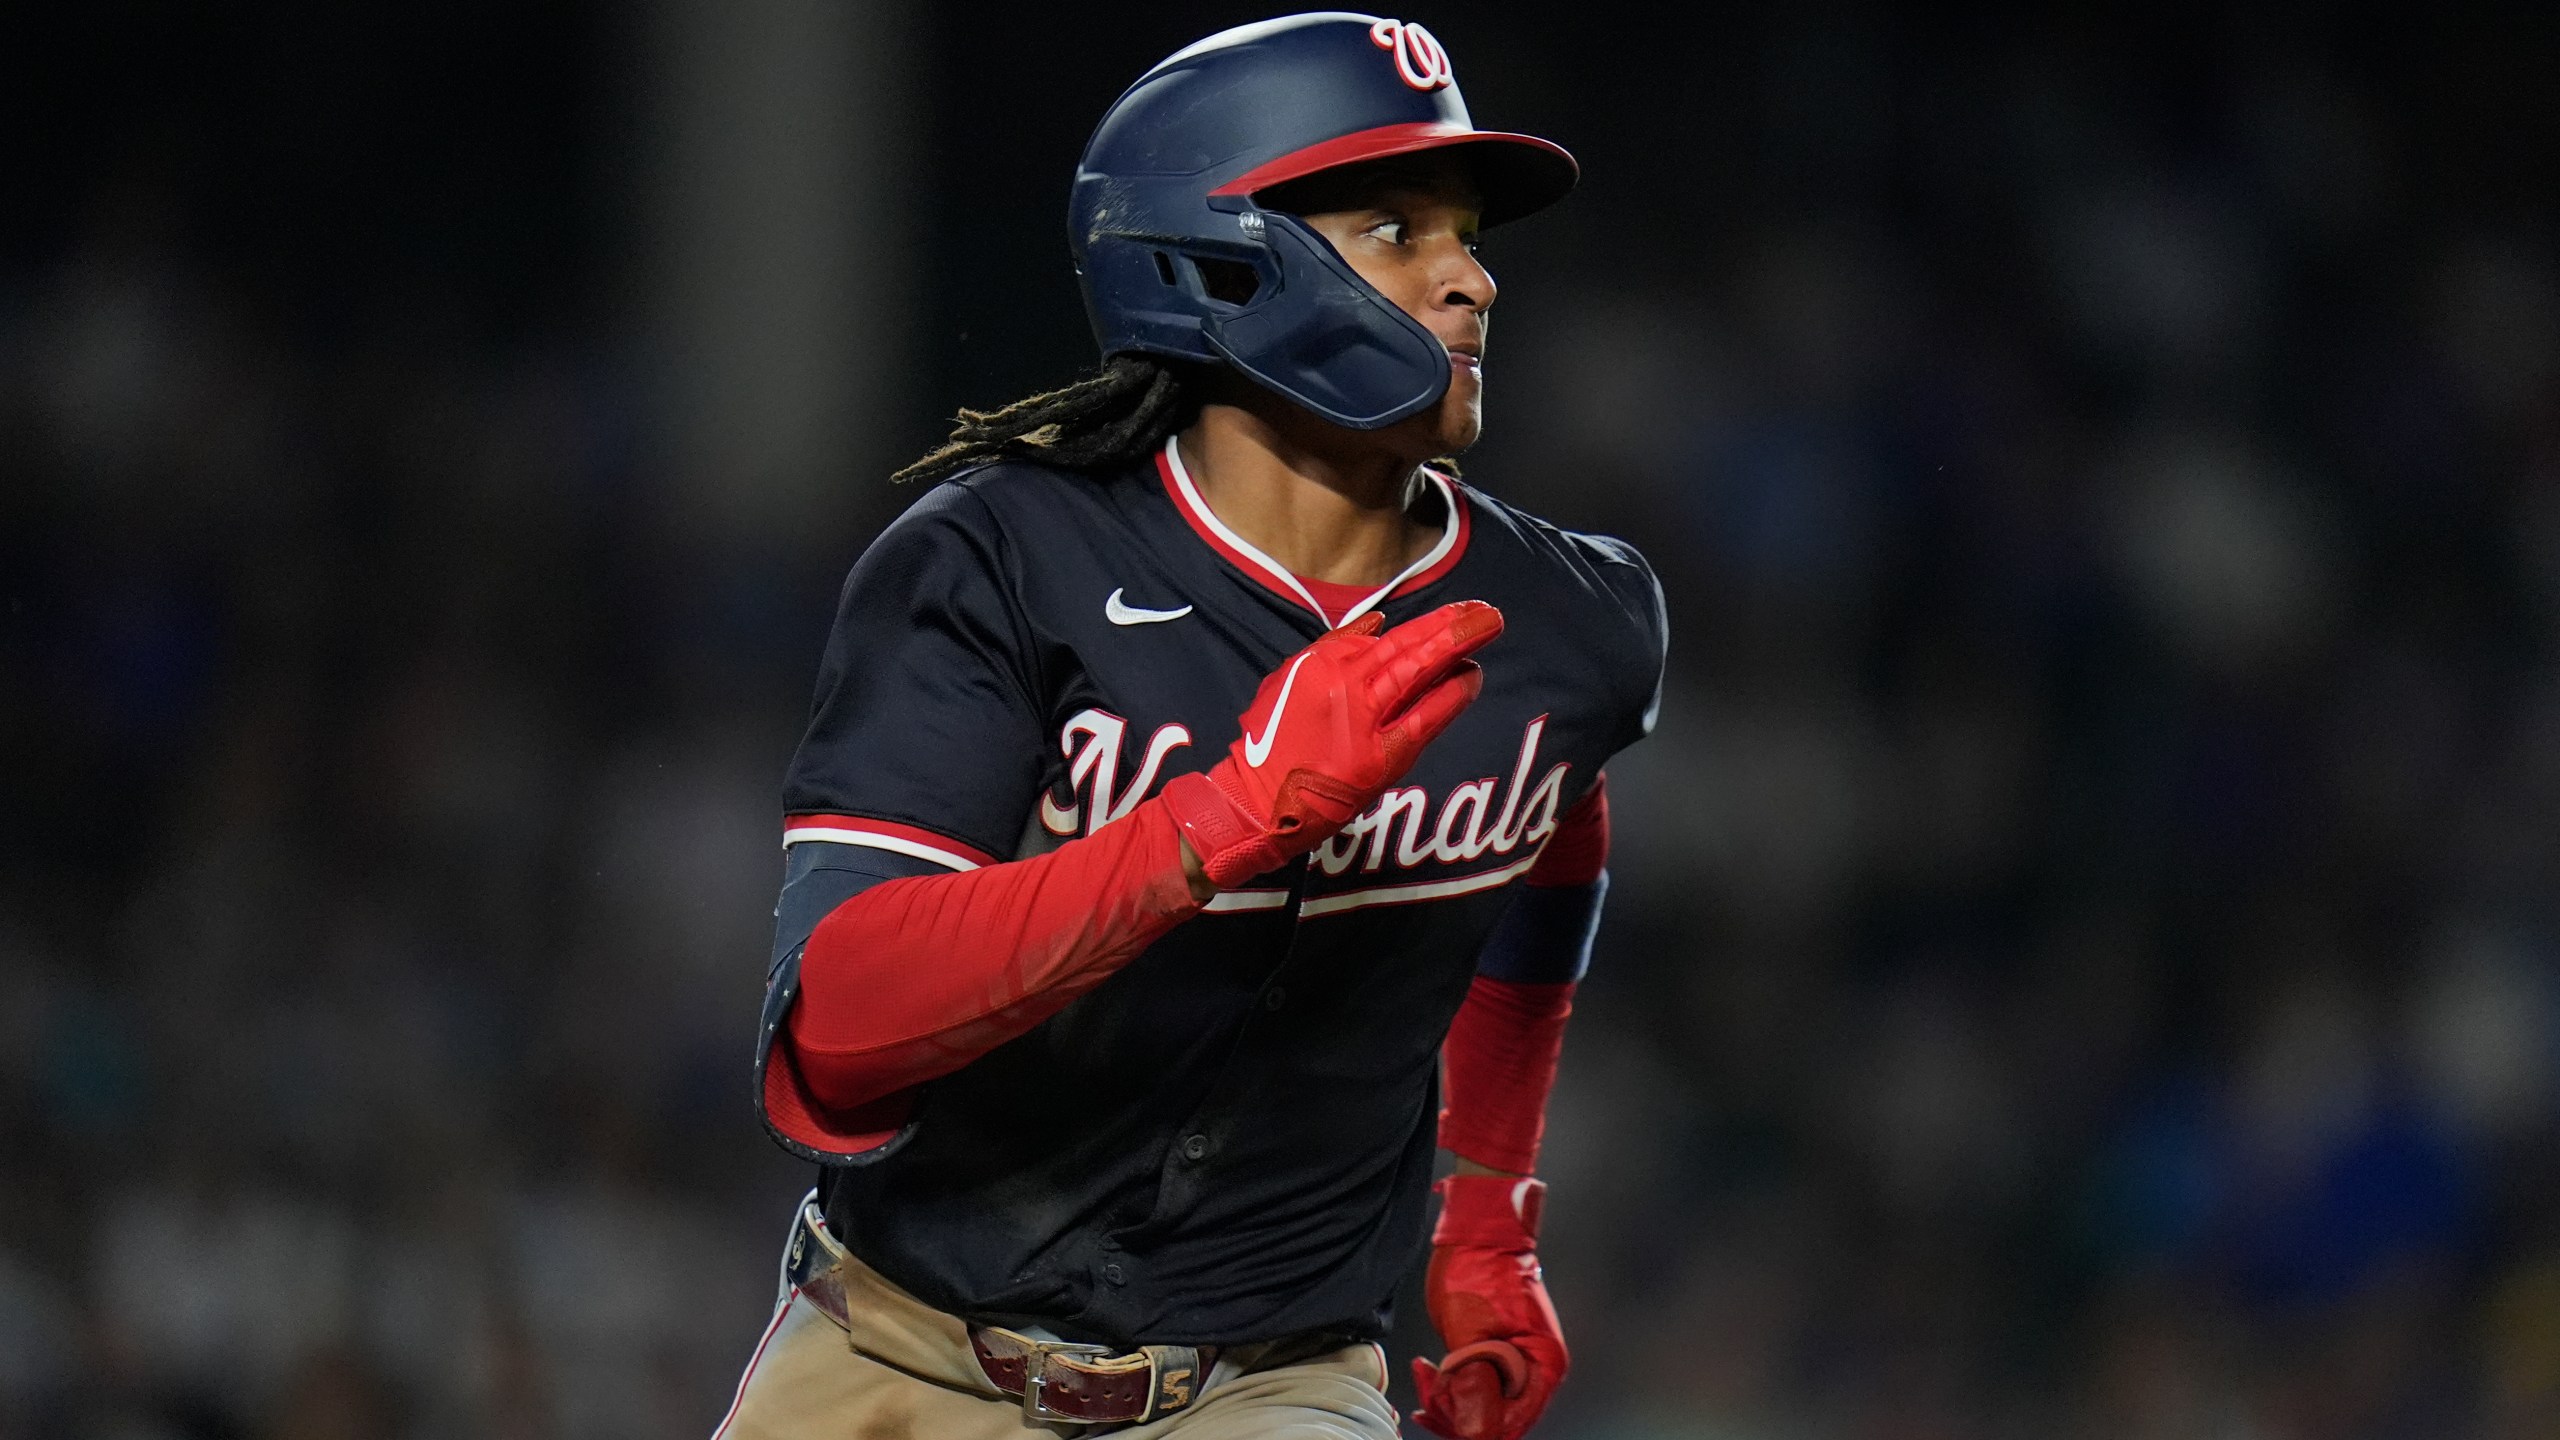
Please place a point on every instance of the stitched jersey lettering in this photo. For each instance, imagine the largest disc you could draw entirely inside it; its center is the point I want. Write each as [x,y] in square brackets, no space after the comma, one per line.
[1401,826]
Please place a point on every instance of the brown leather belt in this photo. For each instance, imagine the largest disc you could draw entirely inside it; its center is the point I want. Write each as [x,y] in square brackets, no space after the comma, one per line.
[1055,1380]
[1090,1384]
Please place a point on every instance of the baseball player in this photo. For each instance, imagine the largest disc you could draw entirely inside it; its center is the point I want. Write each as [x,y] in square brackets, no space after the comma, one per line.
[1197,776]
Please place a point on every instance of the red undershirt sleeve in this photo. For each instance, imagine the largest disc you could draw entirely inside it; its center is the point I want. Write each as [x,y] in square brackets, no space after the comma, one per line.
[916,977]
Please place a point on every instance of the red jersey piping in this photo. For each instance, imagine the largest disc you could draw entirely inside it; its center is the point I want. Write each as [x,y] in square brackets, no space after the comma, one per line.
[1273,576]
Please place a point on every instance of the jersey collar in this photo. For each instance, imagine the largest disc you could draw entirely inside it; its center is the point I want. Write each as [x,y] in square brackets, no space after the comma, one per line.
[1274,576]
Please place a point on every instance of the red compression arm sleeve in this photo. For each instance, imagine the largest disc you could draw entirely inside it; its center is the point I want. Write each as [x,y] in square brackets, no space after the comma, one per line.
[1503,1048]
[1502,1054]
[914,978]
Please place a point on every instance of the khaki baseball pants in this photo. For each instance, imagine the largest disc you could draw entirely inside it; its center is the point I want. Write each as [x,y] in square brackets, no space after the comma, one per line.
[905,1371]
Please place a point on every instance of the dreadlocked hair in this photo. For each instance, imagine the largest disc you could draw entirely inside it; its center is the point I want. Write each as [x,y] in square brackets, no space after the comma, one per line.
[1111,419]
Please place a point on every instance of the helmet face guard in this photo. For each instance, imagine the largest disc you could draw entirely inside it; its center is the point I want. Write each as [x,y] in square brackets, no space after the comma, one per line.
[1177,258]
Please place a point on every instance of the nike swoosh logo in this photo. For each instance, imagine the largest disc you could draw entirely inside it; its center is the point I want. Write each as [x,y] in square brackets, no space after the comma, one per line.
[1257,751]
[1119,614]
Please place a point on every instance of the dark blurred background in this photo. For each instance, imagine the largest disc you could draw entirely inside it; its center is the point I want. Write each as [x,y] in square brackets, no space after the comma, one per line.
[2082,956]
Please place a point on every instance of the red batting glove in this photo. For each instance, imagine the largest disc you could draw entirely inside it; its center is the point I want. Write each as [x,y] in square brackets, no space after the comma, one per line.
[1506,1352]
[1343,720]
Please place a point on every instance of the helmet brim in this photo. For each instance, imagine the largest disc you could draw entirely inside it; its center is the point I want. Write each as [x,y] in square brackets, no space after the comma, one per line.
[1519,174]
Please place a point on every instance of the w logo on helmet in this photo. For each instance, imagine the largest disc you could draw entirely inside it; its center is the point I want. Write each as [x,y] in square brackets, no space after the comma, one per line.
[1419,56]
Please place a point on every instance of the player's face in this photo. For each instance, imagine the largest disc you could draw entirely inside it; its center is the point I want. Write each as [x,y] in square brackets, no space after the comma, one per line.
[1410,231]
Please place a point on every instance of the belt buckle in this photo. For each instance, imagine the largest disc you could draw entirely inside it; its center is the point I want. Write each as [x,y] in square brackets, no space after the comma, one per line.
[1034,1367]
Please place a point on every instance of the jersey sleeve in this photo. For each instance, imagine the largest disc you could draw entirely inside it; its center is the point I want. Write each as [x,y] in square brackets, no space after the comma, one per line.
[922,757]
[924,738]
[1637,595]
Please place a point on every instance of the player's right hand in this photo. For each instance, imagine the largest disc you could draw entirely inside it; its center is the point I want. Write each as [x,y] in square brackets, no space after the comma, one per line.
[1339,722]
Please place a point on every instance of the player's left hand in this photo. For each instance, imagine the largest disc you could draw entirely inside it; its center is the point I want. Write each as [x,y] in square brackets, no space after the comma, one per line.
[1506,1351]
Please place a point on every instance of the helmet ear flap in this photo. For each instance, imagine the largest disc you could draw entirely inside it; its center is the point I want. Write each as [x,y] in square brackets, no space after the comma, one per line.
[1326,339]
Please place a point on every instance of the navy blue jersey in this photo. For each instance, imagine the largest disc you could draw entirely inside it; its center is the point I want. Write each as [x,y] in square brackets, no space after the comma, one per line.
[1231,1138]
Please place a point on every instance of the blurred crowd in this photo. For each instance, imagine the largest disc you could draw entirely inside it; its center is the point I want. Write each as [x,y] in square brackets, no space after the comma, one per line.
[2081,956]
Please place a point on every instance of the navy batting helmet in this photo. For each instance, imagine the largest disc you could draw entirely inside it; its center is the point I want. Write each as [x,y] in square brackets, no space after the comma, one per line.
[1177,259]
